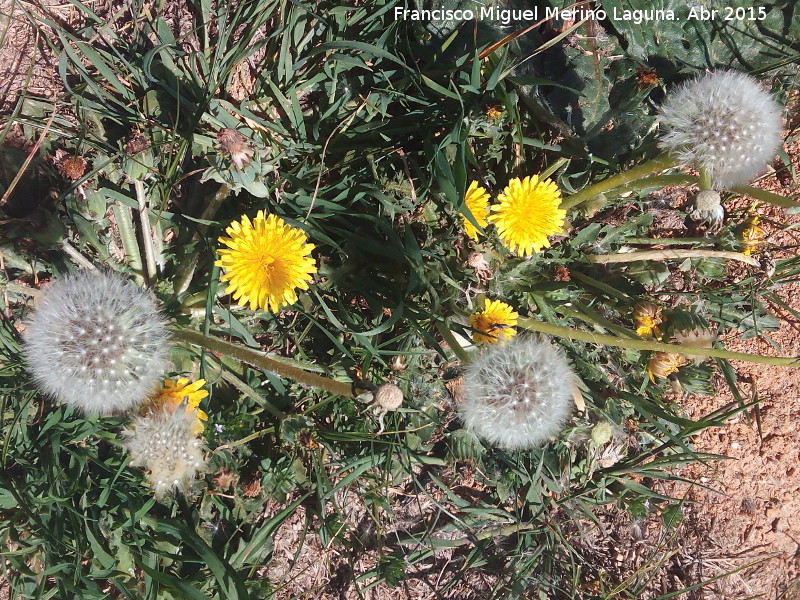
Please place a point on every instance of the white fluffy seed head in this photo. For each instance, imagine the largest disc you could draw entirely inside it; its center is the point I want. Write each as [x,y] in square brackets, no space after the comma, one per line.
[725,123]
[163,443]
[97,342]
[517,395]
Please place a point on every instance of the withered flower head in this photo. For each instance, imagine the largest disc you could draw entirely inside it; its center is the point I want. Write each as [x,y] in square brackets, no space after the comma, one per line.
[234,144]
[136,143]
[71,166]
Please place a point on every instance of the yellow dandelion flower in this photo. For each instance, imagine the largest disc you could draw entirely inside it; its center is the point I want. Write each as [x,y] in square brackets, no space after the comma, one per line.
[664,364]
[752,235]
[494,323]
[477,201]
[647,318]
[265,261]
[173,394]
[493,113]
[528,212]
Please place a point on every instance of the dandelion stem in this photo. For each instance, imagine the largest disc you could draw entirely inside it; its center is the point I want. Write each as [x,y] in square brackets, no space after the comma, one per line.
[651,346]
[660,181]
[122,214]
[259,359]
[659,163]
[624,257]
[21,289]
[765,196]
[147,231]
[77,256]
[451,341]
[705,180]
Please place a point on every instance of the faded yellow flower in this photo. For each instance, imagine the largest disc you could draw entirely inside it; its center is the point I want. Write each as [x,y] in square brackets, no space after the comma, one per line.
[494,323]
[647,317]
[664,364]
[528,212]
[752,235]
[172,395]
[477,201]
[265,262]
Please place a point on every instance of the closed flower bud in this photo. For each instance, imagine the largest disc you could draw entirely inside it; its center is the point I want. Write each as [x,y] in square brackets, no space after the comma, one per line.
[389,396]
[97,342]
[602,433]
[517,395]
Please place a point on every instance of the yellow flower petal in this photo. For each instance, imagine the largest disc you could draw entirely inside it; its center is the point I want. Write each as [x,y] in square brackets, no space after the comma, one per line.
[528,212]
[494,323]
[174,393]
[477,201]
[265,261]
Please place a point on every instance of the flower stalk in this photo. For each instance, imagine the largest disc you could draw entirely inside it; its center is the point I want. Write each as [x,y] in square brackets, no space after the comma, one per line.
[659,163]
[652,346]
[259,359]
[625,257]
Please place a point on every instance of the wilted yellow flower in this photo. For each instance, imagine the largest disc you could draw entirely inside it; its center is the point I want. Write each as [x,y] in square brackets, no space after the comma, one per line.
[493,113]
[494,323]
[477,201]
[752,235]
[528,212]
[664,364]
[647,317]
[172,396]
[265,261]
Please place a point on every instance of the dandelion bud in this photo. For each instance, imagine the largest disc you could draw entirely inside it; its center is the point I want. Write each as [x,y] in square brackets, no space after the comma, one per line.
[96,342]
[723,123]
[163,442]
[647,318]
[517,395]
[389,396]
[752,236]
[602,433]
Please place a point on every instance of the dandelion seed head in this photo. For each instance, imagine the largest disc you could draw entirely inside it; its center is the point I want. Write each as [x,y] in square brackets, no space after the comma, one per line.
[517,395]
[724,123]
[96,342]
[164,443]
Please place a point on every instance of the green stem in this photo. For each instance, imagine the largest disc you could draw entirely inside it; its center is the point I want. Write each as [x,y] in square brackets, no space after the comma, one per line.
[147,231]
[650,346]
[672,241]
[625,257]
[765,196]
[659,163]
[122,214]
[259,359]
[183,282]
[451,341]
[705,180]
[659,181]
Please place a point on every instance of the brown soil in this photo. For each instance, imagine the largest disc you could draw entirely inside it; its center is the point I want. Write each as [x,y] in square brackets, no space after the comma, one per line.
[752,512]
